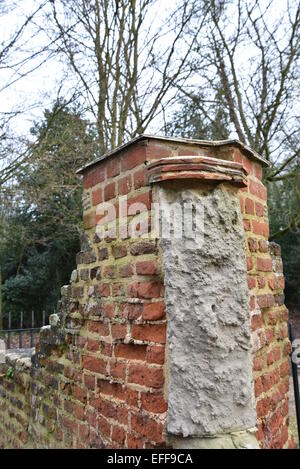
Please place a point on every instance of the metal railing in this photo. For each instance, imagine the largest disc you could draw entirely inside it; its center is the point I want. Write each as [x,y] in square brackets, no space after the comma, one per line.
[20,331]
[294,369]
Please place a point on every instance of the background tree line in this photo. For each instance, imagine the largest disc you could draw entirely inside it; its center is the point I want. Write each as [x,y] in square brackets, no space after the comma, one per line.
[207,69]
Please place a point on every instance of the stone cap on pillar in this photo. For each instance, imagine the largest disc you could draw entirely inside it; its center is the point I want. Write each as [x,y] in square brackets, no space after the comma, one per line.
[197,167]
[212,146]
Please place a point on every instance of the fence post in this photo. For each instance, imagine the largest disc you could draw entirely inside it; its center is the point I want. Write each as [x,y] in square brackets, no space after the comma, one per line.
[294,368]
[32,327]
[21,327]
[9,328]
[1,319]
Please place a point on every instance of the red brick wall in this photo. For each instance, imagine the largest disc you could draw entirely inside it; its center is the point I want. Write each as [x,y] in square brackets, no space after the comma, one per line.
[122,342]
[269,315]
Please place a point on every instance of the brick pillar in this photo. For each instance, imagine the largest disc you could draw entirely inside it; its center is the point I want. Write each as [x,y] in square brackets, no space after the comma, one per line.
[125,372]
[162,341]
[120,282]
[269,315]
[210,387]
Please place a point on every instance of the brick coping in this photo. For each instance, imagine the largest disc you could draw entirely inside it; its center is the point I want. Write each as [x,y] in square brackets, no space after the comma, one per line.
[252,154]
[197,167]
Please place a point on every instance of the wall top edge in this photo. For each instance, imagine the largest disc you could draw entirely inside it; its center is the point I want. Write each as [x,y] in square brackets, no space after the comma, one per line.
[252,154]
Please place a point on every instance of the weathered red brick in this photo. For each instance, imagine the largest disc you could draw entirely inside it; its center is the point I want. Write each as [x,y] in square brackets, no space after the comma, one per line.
[110,271]
[131,351]
[154,311]
[104,426]
[69,424]
[97,196]
[92,345]
[256,321]
[112,411]
[134,157]
[242,204]
[258,363]
[251,282]
[144,247]
[146,290]
[134,442]
[89,381]
[117,369]
[146,268]
[258,388]
[102,289]
[94,364]
[272,318]
[149,332]
[132,397]
[118,435]
[146,376]
[153,402]
[126,270]
[247,225]
[285,369]
[108,310]
[140,178]
[130,310]
[263,245]
[144,199]
[155,151]
[269,379]
[118,331]
[155,354]
[263,407]
[264,264]
[273,355]
[109,191]
[94,176]
[119,250]
[249,206]
[111,389]
[113,167]
[106,348]
[261,282]
[259,209]
[249,262]
[147,427]
[258,171]
[118,289]
[98,327]
[260,228]
[253,244]
[258,189]
[265,301]
[124,185]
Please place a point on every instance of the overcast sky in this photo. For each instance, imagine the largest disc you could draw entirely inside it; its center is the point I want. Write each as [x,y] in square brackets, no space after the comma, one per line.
[39,89]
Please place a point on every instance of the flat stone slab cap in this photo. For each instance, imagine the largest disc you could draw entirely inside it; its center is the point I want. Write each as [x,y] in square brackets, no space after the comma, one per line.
[252,154]
[197,167]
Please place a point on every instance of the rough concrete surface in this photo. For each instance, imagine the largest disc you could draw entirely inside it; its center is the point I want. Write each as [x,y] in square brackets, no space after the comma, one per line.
[210,390]
[236,440]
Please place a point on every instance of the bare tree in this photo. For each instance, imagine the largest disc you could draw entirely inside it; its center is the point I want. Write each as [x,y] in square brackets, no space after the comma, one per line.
[250,50]
[126,69]
[22,52]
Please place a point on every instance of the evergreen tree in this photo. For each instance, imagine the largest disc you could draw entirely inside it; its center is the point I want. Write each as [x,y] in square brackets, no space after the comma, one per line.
[195,120]
[41,213]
